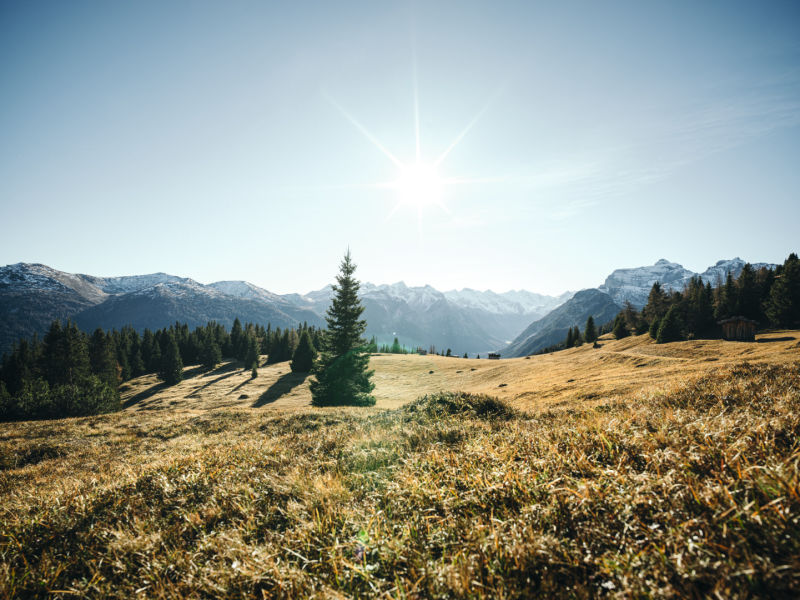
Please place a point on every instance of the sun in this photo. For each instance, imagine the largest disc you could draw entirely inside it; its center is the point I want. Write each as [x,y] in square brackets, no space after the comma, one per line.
[419,185]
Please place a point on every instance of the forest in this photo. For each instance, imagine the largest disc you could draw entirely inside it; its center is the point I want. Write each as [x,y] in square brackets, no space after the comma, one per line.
[71,373]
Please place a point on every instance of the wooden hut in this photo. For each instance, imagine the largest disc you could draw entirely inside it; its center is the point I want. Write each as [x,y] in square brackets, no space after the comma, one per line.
[740,329]
[494,356]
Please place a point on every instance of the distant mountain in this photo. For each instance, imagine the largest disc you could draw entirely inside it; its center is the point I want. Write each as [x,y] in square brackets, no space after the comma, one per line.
[465,321]
[718,272]
[188,302]
[552,328]
[32,296]
[632,285]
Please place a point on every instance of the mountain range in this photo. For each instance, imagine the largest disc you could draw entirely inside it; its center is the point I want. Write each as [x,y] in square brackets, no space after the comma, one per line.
[467,320]
[604,302]
[33,295]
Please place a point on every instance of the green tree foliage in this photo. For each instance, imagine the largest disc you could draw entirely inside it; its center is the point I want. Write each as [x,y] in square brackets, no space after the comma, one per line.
[211,353]
[577,340]
[748,302]
[620,328]
[65,355]
[783,302]
[103,359]
[653,330]
[304,355]
[237,340]
[171,370]
[657,304]
[670,328]
[726,302]
[590,331]
[570,339]
[342,374]
[251,352]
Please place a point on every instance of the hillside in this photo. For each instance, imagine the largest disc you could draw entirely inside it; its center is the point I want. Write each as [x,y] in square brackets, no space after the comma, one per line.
[226,486]
[552,328]
[616,369]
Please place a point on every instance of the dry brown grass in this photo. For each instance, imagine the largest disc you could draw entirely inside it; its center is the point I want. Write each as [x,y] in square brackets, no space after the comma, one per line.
[655,472]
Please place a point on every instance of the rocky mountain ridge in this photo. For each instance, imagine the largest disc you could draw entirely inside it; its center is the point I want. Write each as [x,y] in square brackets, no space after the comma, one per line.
[32,295]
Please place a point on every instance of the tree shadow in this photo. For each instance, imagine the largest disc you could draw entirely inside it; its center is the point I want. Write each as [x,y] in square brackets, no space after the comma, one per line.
[144,394]
[226,373]
[787,338]
[283,385]
[240,386]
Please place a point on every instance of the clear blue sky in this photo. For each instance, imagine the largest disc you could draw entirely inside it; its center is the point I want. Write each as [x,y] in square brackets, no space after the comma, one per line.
[211,140]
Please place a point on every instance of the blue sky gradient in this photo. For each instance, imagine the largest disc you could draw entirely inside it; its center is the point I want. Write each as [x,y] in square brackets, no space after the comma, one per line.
[210,140]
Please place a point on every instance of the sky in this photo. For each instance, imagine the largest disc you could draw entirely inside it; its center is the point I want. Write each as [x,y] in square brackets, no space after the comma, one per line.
[490,145]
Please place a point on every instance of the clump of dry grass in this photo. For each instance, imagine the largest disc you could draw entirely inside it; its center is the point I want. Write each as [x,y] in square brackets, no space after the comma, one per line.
[689,492]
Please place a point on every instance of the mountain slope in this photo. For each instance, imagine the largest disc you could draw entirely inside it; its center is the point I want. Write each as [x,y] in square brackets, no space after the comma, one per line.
[190,302]
[33,295]
[552,328]
[465,321]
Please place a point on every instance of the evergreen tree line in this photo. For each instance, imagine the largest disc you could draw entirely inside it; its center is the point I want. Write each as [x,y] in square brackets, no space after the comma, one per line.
[70,373]
[769,297]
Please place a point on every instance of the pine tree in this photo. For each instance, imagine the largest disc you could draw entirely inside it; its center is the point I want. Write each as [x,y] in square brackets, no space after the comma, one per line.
[670,328]
[656,306]
[783,304]
[577,340]
[465,355]
[210,353]
[304,356]
[342,374]
[102,358]
[620,328]
[590,332]
[568,343]
[171,370]
[653,331]
[251,352]
[238,347]
[66,355]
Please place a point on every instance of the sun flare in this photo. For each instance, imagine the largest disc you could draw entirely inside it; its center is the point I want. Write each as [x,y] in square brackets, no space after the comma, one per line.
[419,185]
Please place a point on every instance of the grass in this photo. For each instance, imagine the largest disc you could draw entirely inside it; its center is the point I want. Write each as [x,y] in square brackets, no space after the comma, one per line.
[687,488]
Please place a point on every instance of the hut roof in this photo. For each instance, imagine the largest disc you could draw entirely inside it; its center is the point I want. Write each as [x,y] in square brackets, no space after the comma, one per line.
[739,318]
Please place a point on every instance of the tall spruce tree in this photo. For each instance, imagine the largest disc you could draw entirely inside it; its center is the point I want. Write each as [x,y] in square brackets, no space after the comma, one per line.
[670,328]
[171,370]
[342,374]
[304,356]
[251,352]
[210,353]
[620,328]
[590,332]
[103,358]
[783,304]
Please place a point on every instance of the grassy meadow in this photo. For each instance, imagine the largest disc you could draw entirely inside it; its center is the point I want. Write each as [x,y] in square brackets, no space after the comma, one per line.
[629,470]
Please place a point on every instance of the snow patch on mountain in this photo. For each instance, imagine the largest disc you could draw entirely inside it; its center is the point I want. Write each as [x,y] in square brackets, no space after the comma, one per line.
[134,283]
[716,274]
[245,289]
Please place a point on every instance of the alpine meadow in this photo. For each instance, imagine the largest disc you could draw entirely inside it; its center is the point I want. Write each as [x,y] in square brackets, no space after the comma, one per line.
[399,300]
